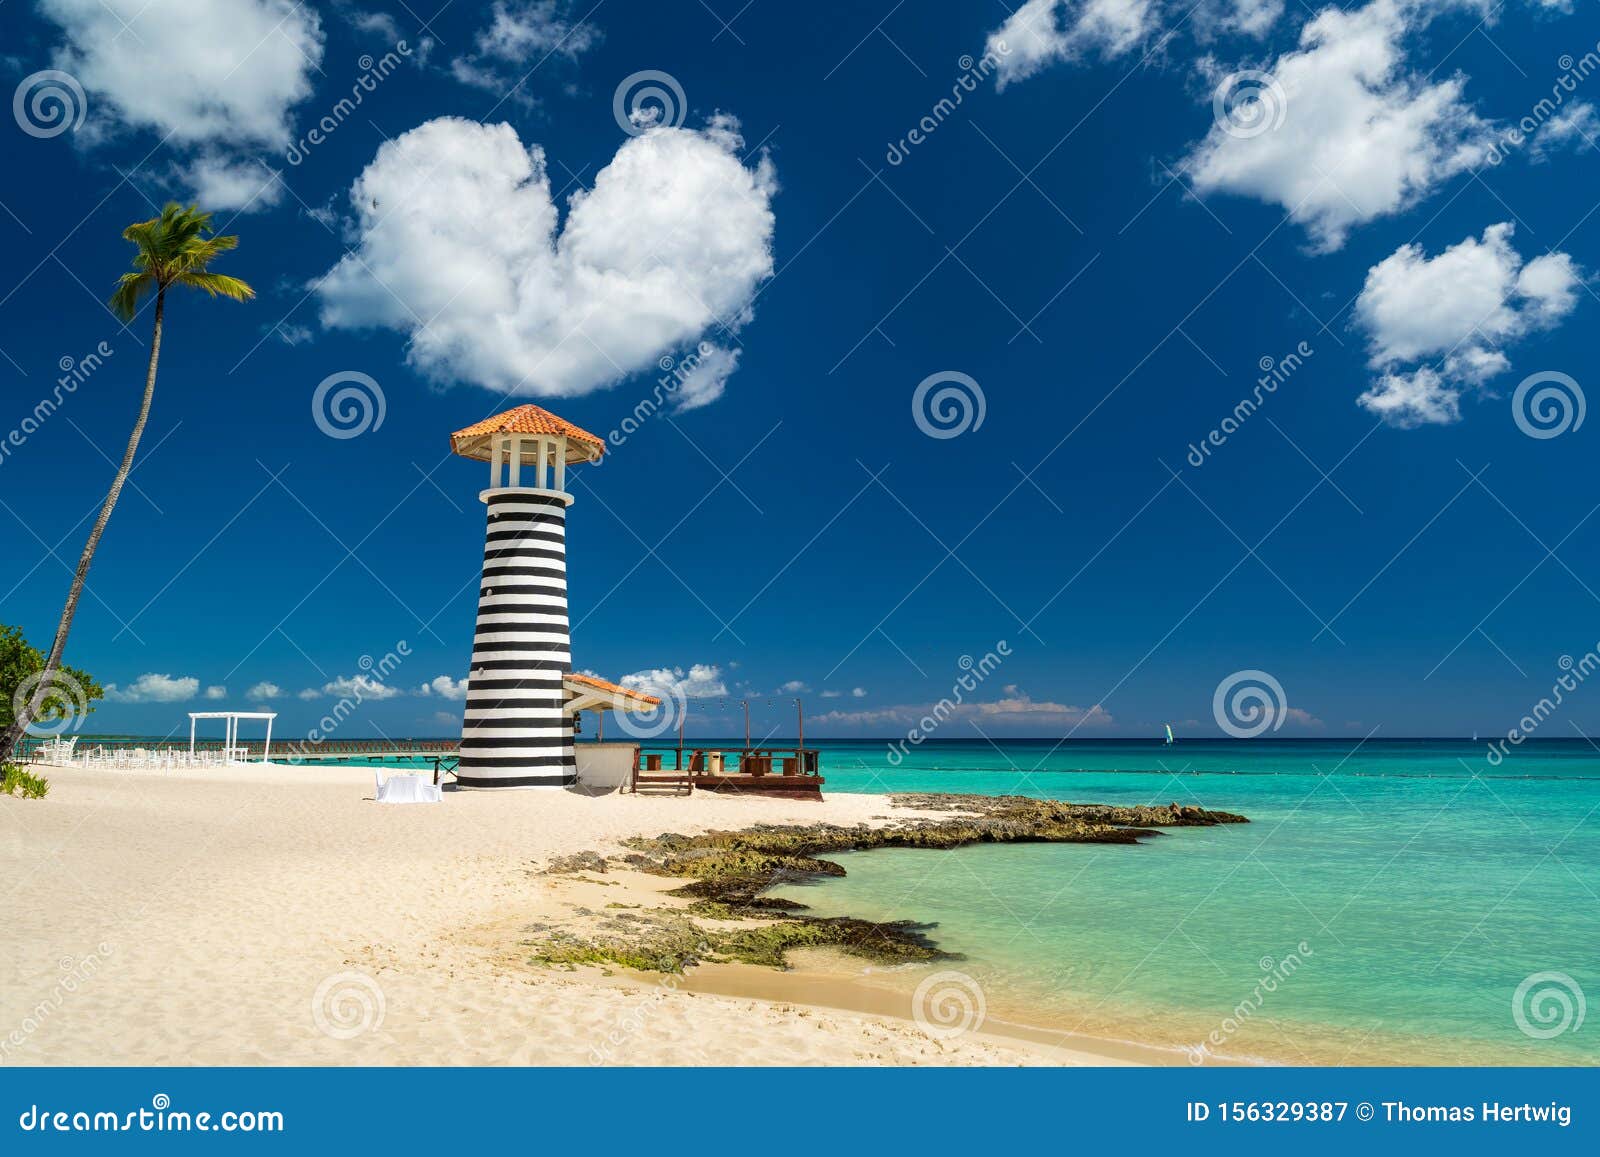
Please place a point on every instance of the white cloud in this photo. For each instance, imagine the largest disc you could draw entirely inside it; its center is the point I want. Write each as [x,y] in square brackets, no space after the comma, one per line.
[263,691]
[1408,400]
[219,182]
[1041,33]
[1045,32]
[309,694]
[1548,288]
[701,681]
[1575,127]
[1459,310]
[1475,292]
[1360,136]
[216,692]
[326,214]
[859,692]
[199,70]
[457,226]
[381,23]
[1014,709]
[520,36]
[153,688]
[1238,17]
[794,687]
[359,687]
[705,381]
[444,687]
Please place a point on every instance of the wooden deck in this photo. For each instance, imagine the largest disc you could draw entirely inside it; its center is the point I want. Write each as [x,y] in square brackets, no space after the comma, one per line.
[781,772]
[782,786]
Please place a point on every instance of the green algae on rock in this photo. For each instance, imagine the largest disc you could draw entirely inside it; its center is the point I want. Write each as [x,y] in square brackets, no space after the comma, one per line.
[734,867]
[727,872]
[670,941]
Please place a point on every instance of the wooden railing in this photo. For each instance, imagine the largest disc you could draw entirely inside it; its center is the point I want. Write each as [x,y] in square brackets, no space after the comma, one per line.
[791,761]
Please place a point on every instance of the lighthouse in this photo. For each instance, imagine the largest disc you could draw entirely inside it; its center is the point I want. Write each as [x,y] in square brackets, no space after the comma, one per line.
[517,730]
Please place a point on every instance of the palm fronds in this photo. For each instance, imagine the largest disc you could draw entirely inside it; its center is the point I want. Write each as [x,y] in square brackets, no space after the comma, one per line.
[175,248]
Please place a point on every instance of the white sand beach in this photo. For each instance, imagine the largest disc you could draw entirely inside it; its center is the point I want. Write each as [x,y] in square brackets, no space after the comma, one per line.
[277,915]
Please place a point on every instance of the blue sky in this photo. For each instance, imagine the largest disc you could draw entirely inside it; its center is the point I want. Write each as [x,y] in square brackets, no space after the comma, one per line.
[1133,208]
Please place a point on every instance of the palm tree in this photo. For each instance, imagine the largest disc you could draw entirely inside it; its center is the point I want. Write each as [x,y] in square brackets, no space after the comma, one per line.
[173,249]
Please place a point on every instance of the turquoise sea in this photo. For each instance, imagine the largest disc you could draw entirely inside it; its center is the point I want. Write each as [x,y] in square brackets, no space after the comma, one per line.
[1386,903]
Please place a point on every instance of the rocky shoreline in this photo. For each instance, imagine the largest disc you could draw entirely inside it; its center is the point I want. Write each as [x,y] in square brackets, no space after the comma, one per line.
[727,874]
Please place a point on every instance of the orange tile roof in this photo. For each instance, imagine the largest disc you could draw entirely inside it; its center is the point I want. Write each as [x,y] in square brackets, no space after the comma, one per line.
[474,441]
[612,688]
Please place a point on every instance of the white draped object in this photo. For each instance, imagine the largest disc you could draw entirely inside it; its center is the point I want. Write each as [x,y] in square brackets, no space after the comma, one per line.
[406,789]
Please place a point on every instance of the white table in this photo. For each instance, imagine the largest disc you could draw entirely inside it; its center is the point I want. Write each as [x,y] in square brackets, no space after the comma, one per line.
[406,789]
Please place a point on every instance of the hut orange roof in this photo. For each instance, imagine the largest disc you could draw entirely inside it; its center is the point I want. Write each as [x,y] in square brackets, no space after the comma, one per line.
[476,441]
[610,688]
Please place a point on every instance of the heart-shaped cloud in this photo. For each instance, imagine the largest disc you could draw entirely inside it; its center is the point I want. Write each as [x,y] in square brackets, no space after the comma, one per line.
[461,247]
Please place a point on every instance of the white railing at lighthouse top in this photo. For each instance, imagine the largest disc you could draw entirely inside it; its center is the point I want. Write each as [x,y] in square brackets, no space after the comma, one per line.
[545,455]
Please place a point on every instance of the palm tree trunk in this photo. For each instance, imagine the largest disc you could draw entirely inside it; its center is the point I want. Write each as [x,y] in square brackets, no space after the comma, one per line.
[25,715]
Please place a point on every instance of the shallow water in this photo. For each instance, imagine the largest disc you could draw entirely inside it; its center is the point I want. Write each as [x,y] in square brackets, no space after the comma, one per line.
[1385,903]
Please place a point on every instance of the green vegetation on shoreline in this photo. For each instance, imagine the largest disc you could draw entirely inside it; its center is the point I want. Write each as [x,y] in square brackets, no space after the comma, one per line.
[728,872]
[18,780]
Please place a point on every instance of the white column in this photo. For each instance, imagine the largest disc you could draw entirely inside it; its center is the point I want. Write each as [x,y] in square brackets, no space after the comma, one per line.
[191,735]
[560,447]
[494,463]
[266,747]
[514,448]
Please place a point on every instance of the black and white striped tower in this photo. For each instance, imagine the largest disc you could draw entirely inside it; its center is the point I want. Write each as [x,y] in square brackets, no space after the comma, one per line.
[517,731]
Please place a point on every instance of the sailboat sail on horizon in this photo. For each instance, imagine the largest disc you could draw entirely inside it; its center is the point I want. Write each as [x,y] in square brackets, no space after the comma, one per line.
[1170,739]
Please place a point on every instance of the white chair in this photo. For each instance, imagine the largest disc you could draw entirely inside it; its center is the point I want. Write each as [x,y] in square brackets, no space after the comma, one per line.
[57,750]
